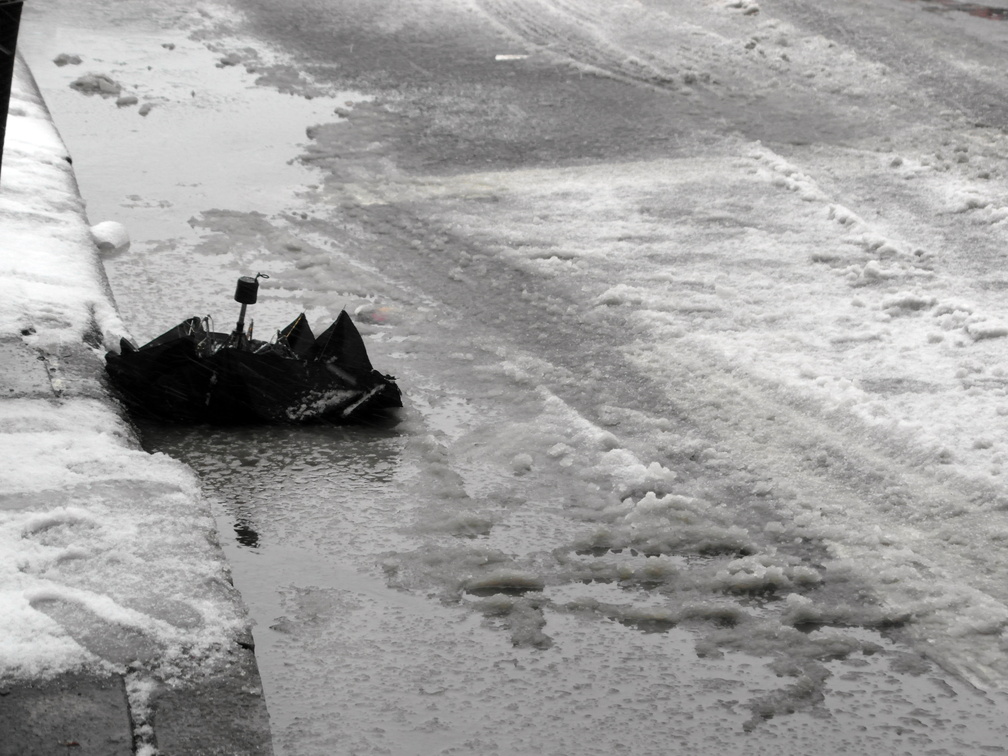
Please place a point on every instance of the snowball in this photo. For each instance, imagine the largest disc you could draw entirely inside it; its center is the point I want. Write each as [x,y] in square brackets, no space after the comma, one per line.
[111,238]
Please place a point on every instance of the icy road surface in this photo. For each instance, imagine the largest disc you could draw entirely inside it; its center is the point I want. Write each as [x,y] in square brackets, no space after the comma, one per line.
[700,313]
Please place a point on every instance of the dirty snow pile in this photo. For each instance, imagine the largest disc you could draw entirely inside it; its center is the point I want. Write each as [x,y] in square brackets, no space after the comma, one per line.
[108,557]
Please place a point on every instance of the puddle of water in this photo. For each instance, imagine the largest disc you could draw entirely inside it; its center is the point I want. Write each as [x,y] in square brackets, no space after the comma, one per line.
[331,483]
[222,140]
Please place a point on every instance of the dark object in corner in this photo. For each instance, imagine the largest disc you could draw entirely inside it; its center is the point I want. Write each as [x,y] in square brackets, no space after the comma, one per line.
[10,20]
[193,375]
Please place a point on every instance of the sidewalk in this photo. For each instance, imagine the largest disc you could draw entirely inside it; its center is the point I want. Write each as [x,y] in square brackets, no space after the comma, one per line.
[120,631]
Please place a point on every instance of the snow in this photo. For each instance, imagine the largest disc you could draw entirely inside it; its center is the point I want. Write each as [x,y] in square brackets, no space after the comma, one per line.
[99,540]
[108,555]
[818,284]
[49,277]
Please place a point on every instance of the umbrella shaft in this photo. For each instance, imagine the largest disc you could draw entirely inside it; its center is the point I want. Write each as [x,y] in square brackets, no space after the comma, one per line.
[240,328]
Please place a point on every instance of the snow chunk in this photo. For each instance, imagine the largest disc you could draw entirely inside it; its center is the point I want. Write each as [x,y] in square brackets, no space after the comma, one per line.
[987,329]
[950,306]
[111,238]
[844,216]
[66,59]
[764,574]
[907,301]
[871,273]
[559,450]
[504,580]
[670,524]
[99,84]
[786,175]
[963,202]
[632,478]
[620,294]
[521,463]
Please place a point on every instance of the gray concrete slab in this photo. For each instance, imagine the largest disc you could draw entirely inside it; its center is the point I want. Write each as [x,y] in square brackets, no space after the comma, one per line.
[80,714]
[23,374]
[224,716]
[75,370]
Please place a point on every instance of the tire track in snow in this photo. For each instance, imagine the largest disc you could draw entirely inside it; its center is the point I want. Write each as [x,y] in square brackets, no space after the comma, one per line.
[881,490]
[920,536]
[574,32]
[947,64]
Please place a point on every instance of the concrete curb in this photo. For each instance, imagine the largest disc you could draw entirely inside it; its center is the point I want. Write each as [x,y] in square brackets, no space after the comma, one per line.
[74,713]
[123,704]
